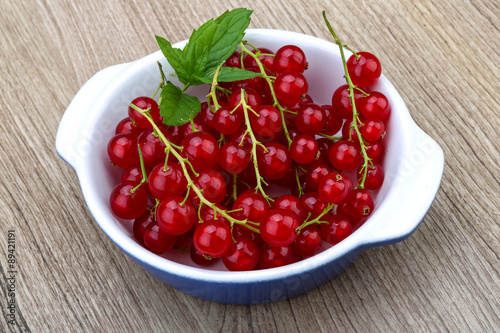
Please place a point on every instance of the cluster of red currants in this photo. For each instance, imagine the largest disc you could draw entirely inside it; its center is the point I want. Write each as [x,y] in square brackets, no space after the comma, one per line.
[203,186]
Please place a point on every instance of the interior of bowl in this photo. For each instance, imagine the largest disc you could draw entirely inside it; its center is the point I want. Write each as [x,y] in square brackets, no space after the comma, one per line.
[325,74]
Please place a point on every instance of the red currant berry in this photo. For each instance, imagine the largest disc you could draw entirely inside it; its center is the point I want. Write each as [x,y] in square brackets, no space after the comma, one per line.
[144,103]
[375,150]
[310,119]
[271,257]
[315,173]
[252,99]
[200,259]
[201,149]
[324,145]
[133,174]
[208,213]
[278,227]
[337,228]
[242,255]
[227,122]
[256,83]
[274,160]
[361,204]
[250,205]
[289,58]
[290,86]
[125,126]
[308,242]
[212,184]
[266,58]
[234,158]
[375,106]
[313,204]
[333,120]
[372,130]
[374,176]
[152,148]
[212,238]
[164,183]
[364,70]
[304,149]
[175,216]
[234,60]
[140,224]
[240,231]
[291,203]
[122,150]
[128,202]
[241,138]
[156,240]
[335,188]
[266,120]
[341,102]
[345,155]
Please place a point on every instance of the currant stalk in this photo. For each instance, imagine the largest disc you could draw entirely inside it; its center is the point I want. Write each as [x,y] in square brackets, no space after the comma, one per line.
[306,223]
[355,114]
[183,161]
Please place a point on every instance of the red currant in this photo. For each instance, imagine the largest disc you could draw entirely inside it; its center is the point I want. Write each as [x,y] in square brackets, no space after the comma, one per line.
[341,101]
[163,183]
[308,242]
[127,203]
[345,155]
[304,149]
[242,255]
[290,86]
[335,188]
[156,240]
[364,70]
[144,103]
[250,205]
[122,150]
[234,158]
[278,227]
[289,58]
[374,176]
[274,160]
[175,216]
[337,228]
[227,122]
[201,149]
[311,119]
[266,120]
[375,106]
[212,238]
[271,256]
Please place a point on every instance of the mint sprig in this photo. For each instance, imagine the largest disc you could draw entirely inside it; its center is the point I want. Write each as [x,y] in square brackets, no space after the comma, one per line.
[208,47]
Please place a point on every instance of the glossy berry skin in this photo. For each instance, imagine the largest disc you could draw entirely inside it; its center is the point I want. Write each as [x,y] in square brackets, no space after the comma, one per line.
[304,149]
[292,203]
[226,122]
[175,218]
[266,58]
[201,149]
[122,150]
[337,229]
[152,148]
[315,173]
[212,184]
[234,60]
[140,224]
[199,259]
[324,145]
[233,158]
[240,231]
[242,255]
[266,121]
[212,238]
[289,58]
[166,183]
[372,130]
[290,86]
[341,102]
[252,98]
[127,205]
[156,240]
[375,150]
[278,227]
[311,119]
[274,163]
[365,71]
[335,188]
[361,204]
[375,106]
[144,103]
[333,120]
[313,204]
[271,256]
[125,126]
[308,242]
[133,174]
[374,176]
[208,213]
[250,205]
[345,155]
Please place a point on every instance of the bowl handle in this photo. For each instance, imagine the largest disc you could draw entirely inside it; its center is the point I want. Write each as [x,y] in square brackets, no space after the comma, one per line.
[419,178]
[70,138]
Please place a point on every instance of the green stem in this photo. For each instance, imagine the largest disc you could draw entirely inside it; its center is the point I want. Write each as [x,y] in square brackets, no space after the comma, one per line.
[190,183]
[315,220]
[143,170]
[355,114]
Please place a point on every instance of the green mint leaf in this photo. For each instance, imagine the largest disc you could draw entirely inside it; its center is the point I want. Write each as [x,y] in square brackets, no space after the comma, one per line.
[231,27]
[228,74]
[176,107]
[175,59]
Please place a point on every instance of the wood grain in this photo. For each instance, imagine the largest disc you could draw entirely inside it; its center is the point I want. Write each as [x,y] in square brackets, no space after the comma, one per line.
[442,56]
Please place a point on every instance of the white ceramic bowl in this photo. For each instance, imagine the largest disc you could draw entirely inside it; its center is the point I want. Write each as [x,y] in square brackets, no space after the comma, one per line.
[413,165]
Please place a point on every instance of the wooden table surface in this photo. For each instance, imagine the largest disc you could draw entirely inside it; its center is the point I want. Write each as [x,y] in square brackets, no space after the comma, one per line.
[443,57]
